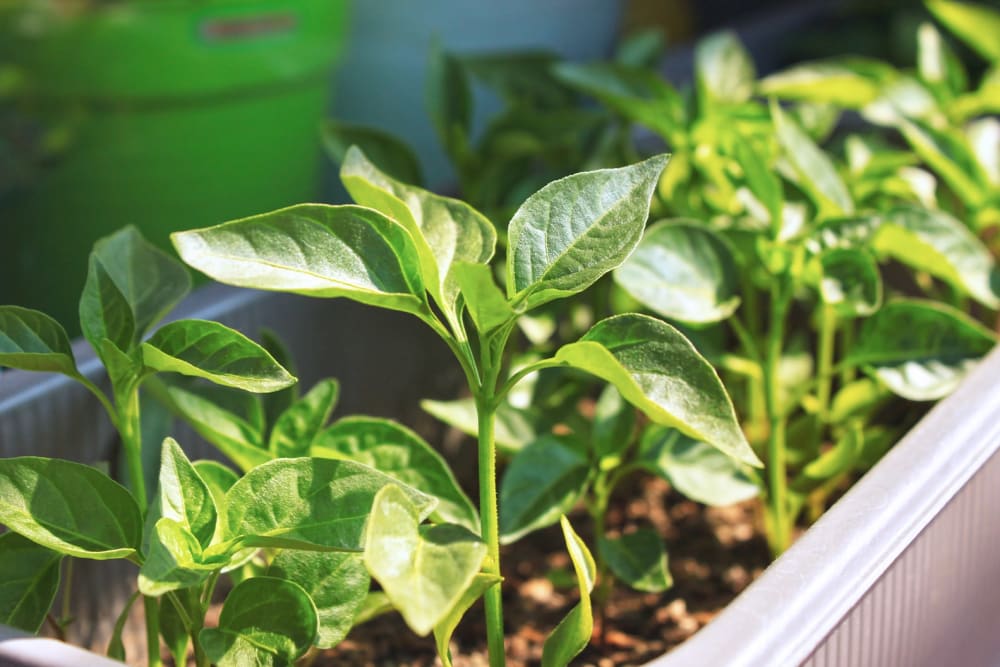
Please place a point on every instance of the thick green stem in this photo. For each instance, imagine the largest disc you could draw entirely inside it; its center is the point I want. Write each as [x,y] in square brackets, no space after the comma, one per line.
[779,528]
[152,631]
[491,526]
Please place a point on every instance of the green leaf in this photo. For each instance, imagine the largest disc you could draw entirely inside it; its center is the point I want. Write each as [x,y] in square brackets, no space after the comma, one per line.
[313,249]
[760,178]
[444,230]
[175,634]
[573,633]
[513,430]
[576,229]
[819,177]
[206,349]
[822,82]
[450,101]
[724,71]
[308,503]
[68,507]
[920,350]
[976,25]
[337,583]
[835,461]
[29,584]
[486,303]
[947,152]
[131,284]
[983,136]
[424,571]
[637,558]
[937,64]
[297,426]
[849,281]
[217,477]
[176,560]
[698,471]
[273,404]
[401,454]
[264,622]
[445,628]
[937,243]
[543,482]
[376,604]
[182,496]
[390,154]
[33,341]
[614,425]
[683,271]
[116,647]
[659,371]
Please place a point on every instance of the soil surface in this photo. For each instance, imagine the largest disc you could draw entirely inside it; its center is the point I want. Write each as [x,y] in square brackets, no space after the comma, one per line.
[714,554]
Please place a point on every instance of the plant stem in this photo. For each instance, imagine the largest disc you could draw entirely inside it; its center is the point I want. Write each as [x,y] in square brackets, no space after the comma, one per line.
[152,631]
[605,582]
[491,526]
[824,372]
[779,534]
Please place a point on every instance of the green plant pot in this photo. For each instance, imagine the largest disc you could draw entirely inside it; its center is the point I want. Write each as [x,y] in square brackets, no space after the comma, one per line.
[165,115]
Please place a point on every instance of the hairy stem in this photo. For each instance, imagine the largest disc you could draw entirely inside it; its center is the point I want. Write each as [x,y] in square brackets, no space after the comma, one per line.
[491,526]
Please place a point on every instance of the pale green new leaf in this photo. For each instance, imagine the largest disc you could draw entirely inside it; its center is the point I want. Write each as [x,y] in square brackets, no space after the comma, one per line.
[68,507]
[849,281]
[265,622]
[573,633]
[444,230]
[659,371]
[181,496]
[683,271]
[175,560]
[213,351]
[33,341]
[296,427]
[920,350]
[821,82]
[424,571]
[724,70]
[337,583]
[975,24]
[983,136]
[543,482]
[401,454]
[575,230]
[29,583]
[695,469]
[637,558]
[445,628]
[487,305]
[313,249]
[308,503]
[218,479]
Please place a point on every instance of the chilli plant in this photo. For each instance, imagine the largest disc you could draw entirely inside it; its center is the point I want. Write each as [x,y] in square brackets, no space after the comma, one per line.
[406,249]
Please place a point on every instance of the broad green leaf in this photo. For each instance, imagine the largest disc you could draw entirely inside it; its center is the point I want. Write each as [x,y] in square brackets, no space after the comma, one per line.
[947,152]
[116,647]
[444,230]
[175,634]
[388,153]
[975,24]
[450,100]
[486,303]
[513,430]
[760,178]
[29,584]
[445,628]
[206,349]
[401,454]
[684,271]
[33,341]
[700,472]
[937,243]
[614,426]
[297,426]
[131,285]
[573,633]
[218,478]
[849,282]
[659,371]
[182,496]
[240,441]
[920,350]
[822,82]
[521,78]
[273,404]
[424,571]
[337,583]
[724,71]
[543,482]
[313,249]
[176,560]
[576,229]
[68,507]
[308,503]
[818,176]
[264,622]
[637,558]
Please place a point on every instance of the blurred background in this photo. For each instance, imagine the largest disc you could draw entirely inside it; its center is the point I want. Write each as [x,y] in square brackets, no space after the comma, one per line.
[172,114]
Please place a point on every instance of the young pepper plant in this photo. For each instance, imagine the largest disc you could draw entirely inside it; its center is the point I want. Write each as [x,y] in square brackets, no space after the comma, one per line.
[409,250]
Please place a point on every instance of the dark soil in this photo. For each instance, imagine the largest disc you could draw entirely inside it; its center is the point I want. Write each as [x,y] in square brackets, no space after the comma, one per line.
[714,554]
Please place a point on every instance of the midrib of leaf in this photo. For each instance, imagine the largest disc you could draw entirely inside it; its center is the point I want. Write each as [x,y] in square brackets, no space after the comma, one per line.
[49,526]
[248,638]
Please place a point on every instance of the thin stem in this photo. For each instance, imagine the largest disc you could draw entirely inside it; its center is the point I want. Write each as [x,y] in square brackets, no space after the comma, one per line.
[462,352]
[67,589]
[824,372]
[93,389]
[131,433]
[491,526]
[780,531]
[847,372]
[757,403]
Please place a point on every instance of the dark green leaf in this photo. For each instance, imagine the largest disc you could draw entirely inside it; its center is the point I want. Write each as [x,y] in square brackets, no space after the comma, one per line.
[637,558]
[659,371]
[68,507]
[573,633]
[683,271]
[336,582]
[297,426]
[105,313]
[402,455]
[386,151]
[313,249]
[423,571]
[33,341]
[450,101]
[116,647]
[273,404]
[849,282]
[29,584]
[264,622]
[576,229]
